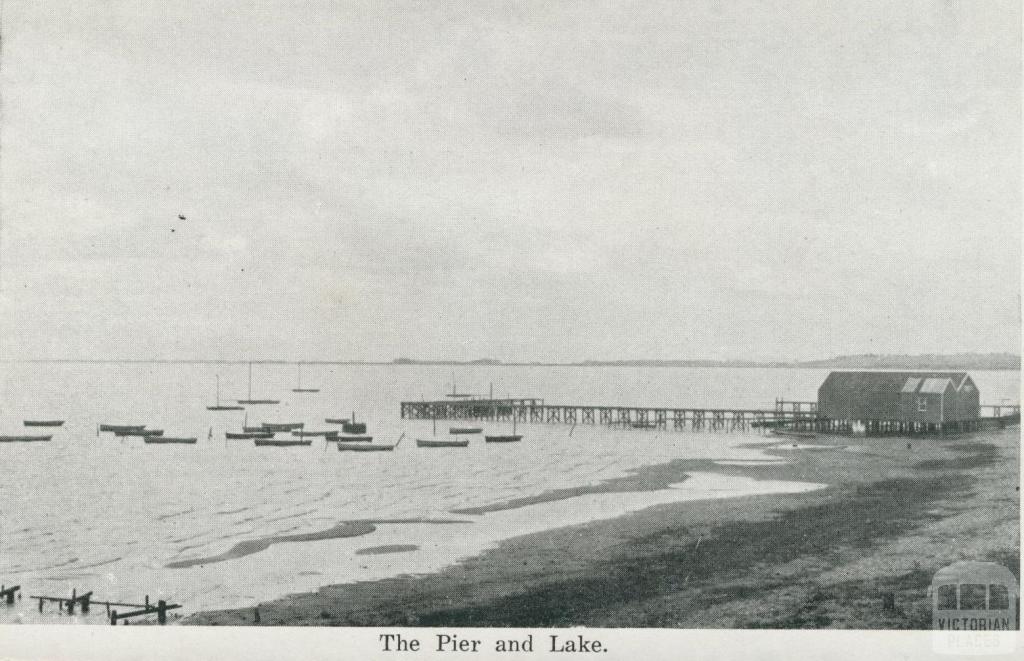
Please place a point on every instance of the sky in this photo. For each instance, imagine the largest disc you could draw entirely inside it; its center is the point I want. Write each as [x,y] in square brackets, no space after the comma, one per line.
[768,180]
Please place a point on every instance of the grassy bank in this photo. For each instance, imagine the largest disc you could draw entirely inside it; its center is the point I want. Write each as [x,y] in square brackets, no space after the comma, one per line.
[891,516]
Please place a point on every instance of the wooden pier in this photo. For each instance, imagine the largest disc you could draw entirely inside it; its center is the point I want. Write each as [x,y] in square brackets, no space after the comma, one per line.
[790,414]
[795,415]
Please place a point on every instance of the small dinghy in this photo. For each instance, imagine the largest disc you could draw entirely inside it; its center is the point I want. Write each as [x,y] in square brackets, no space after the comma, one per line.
[336,421]
[247,435]
[281,442]
[171,439]
[326,433]
[359,447]
[421,443]
[25,438]
[511,438]
[44,423]
[506,438]
[351,438]
[142,433]
[281,426]
[369,447]
[465,430]
[117,428]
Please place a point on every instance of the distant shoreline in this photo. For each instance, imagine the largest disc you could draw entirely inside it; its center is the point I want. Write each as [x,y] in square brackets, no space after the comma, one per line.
[990,362]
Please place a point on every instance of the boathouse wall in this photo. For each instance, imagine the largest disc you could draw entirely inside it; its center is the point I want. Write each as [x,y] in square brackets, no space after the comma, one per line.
[928,398]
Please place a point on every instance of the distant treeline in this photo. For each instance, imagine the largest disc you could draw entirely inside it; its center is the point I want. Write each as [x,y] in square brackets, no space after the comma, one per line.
[927,361]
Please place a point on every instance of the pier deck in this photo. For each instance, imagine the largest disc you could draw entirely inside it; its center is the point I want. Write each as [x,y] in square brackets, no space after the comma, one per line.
[800,415]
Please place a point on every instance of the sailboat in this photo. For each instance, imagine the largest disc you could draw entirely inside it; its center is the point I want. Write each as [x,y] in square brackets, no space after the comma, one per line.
[249,399]
[223,407]
[509,438]
[300,388]
[454,394]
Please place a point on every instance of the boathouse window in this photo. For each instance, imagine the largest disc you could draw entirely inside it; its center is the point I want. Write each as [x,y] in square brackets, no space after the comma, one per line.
[922,403]
[998,597]
[947,597]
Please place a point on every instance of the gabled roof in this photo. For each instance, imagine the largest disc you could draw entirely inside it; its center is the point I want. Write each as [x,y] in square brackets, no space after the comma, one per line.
[935,386]
[891,381]
[912,384]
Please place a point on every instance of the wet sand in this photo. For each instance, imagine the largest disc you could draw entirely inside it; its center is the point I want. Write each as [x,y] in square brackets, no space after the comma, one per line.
[890,517]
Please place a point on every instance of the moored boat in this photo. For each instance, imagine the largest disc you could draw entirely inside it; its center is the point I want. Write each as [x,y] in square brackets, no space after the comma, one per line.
[299,387]
[281,426]
[142,433]
[354,427]
[44,423]
[336,421]
[117,428]
[171,439]
[249,400]
[368,447]
[281,442]
[326,433]
[223,407]
[351,438]
[440,444]
[247,435]
[644,425]
[465,430]
[511,438]
[25,438]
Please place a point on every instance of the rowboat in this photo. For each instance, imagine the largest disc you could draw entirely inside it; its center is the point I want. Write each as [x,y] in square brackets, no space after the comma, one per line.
[281,442]
[144,433]
[249,400]
[258,428]
[326,433]
[644,425]
[506,438]
[351,438]
[117,428]
[336,421]
[281,426]
[420,443]
[358,447]
[511,438]
[170,439]
[246,435]
[24,439]
[44,423]
[223,407]
[465,430]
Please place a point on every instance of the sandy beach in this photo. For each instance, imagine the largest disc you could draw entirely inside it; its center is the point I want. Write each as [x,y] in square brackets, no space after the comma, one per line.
[892,512]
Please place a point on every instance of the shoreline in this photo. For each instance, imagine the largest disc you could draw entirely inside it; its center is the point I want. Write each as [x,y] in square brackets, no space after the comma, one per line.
[818,558]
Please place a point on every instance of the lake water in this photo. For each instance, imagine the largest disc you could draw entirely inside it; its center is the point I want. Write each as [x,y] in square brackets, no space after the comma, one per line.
[92,512]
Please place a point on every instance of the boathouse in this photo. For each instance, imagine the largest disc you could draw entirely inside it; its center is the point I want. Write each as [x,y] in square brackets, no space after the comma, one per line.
[898,402]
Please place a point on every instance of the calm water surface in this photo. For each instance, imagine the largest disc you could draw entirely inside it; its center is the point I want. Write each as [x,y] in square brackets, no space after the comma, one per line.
[93,512]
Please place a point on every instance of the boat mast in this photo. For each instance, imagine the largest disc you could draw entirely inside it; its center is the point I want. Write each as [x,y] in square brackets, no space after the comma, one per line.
[300,375]
[218,390]
[250,380]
